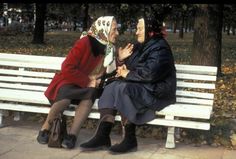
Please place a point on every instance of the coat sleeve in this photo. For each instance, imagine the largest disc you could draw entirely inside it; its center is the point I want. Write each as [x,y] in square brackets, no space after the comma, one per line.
[71,67]
[153,67]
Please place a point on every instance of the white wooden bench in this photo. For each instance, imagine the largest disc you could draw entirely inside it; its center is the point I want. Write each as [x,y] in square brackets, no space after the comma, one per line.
[24,78]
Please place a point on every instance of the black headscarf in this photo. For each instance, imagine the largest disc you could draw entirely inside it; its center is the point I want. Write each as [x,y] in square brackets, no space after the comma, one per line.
[152,23]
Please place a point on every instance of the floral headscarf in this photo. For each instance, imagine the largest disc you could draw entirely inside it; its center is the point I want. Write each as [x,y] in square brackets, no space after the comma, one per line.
[100,30]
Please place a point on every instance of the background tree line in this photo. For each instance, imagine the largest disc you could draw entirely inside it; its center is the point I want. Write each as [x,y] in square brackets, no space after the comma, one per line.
[207,21]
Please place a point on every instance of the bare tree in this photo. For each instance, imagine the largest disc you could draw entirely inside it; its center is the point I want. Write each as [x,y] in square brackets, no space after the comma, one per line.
[86,17]
[207,36]
[39,23]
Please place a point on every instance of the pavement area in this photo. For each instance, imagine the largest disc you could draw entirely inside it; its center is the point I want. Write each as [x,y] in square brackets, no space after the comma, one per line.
[18,141]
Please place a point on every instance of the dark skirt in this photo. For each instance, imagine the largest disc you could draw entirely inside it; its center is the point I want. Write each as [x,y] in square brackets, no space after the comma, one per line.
[115,97]
[75,93]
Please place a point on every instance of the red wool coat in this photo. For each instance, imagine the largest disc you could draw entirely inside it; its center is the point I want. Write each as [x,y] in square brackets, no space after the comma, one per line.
[79,63]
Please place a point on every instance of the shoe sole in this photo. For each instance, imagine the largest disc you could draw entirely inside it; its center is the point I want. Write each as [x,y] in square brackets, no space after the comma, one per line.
[118,153]
[66,147]
[95,148]
[42,142]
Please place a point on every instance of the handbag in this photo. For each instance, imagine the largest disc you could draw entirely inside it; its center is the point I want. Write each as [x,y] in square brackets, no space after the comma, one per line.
[104,78]
[57,131]
[108,78]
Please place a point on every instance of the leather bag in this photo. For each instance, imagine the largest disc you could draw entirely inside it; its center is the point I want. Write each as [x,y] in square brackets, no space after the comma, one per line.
[57,131]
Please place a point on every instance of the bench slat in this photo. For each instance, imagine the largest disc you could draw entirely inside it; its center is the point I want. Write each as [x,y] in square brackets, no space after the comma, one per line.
[194,94]
[22,87]
[181,124]
[187,110]
[195,85]
[196,69]
[26,73]
[31,65]
[194,101]
[24,108]
[195,77]
[31,58]
[25,80]
[23,96]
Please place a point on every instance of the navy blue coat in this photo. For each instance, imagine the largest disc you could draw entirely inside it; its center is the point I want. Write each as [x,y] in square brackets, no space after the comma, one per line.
[151,82]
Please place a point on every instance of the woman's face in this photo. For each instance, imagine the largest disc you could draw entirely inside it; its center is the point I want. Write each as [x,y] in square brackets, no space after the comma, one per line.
[113,32]
[140,31]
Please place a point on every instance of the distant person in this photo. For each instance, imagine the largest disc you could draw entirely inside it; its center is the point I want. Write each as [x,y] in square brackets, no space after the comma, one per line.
[146,83]
[78,79]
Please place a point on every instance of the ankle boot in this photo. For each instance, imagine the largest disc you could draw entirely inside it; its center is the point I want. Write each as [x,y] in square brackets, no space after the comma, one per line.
[101,139]
[129,143]
[69,141]
[43,136]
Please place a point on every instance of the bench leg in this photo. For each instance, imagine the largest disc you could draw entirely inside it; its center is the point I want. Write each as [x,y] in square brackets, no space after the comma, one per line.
[1,118]
[170,140]
[16,116]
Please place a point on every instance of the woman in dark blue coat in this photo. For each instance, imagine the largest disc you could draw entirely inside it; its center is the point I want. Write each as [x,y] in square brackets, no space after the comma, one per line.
[146,83]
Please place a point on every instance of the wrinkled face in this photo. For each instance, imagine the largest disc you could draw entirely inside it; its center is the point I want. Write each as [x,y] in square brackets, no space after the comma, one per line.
[113,32]
[140,31]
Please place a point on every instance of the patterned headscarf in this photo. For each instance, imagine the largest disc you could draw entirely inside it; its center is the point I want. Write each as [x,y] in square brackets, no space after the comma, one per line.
[100,30]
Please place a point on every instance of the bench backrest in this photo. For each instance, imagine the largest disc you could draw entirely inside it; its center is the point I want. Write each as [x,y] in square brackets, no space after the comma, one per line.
[195,84]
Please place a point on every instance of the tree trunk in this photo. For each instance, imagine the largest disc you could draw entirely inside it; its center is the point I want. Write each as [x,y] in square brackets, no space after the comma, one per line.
[207,36]
[39,24]
[5,14]
[171,24]
[228,29]
[181,29]
[85,20]
[191,25]
[175,26]
[186,25]
[224,29]
[233,30]
[1,9]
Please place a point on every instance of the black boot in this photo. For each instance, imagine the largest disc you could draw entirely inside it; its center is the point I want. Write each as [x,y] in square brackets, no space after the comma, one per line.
[129,143]
[69,141]
[101,139]
[43,136]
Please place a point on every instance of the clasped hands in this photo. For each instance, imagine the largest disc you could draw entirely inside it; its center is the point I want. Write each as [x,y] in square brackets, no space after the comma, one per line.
[122,71]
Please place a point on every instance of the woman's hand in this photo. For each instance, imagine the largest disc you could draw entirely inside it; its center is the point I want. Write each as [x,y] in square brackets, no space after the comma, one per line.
[122,71]
[94,81]
[125,52]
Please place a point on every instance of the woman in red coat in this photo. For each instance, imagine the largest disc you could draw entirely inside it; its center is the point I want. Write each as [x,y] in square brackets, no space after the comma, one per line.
[79,76]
